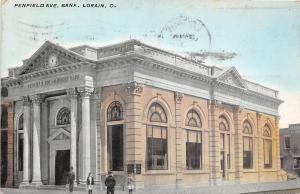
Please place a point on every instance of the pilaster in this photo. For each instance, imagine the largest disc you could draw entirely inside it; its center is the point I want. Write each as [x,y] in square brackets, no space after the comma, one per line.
[277,147]
[133,135]
[10,144]
[260,160]
[179,138]
[214,143]
[238,143]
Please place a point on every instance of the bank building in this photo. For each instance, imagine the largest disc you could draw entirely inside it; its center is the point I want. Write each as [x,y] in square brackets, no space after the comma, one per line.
[133,108]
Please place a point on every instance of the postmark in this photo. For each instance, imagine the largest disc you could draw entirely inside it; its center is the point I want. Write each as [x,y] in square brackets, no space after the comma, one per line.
[186,31]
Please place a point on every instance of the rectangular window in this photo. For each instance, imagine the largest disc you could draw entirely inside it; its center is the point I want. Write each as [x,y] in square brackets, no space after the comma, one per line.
[267,153]
[20,151]
[247,152]
[296,162]
[287,142]
[194,150]
[281,163]
[157,148]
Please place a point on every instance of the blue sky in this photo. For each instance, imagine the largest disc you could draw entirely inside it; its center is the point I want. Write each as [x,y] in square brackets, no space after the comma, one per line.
[265,35]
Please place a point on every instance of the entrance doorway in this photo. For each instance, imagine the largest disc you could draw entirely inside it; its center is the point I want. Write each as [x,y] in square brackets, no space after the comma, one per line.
[62,166]
[115,147]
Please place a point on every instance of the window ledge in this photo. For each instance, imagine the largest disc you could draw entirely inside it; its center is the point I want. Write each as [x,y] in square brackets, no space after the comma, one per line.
[195,172]
[250,170]
[158,172]
[269,170]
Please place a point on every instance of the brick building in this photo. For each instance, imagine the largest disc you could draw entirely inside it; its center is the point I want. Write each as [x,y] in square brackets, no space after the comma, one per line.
[130,107]
[290,148]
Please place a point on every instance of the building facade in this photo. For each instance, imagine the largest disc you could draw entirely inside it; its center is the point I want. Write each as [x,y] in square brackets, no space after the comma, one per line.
[290,148]
[133,108]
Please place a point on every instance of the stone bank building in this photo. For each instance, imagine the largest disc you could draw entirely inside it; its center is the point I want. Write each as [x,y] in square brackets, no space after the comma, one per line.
[130,107]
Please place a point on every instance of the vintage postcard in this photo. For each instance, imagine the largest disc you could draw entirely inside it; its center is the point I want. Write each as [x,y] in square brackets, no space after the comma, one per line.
[150,96]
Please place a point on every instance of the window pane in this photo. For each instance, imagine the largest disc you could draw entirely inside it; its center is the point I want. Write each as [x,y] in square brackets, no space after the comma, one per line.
[228,151]
[222,141]
[157,148]
[268,153]
[247,152]
[287,142]
[20,152]
[194,150]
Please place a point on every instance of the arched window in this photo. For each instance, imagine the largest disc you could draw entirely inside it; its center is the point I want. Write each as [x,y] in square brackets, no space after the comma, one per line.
[267,139]
[193,119]
[224,144]
[20,142]
[3,117]
[115,111]
[157,141]
[63,116]
[247,145]
[193,140]
[157,114]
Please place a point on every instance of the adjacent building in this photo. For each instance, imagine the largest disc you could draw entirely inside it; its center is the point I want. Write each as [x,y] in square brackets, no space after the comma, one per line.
[134,108]
[290,148]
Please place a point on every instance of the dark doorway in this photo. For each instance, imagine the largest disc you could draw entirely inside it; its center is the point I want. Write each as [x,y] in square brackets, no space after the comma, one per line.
[62,166]
[115,147]
[3,159]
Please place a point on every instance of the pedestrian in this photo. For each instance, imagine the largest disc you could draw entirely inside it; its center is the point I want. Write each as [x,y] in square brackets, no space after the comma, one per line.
[110,183]
[130,183]
[71,178]
[90,183]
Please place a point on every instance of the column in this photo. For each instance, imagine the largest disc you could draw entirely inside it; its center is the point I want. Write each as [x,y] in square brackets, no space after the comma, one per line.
[95,147]
[72,93]
[238,143]
[44,143]
[85,93]
[36,171]
[26,152]
[214,143]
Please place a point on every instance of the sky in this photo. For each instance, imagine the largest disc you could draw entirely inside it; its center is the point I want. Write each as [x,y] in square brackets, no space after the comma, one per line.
[265,35]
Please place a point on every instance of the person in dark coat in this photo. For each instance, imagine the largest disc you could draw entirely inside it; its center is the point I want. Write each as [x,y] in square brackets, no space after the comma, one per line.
[71,178]
[110,183]
[90,183]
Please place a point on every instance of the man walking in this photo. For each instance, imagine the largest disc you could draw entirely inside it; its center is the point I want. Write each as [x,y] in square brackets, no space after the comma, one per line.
[110,183]
[71,178]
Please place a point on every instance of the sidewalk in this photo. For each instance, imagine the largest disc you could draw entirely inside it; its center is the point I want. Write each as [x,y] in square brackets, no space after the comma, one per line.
[290,187]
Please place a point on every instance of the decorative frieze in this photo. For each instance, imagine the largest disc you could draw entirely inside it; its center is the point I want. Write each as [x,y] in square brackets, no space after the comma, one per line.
[134,88]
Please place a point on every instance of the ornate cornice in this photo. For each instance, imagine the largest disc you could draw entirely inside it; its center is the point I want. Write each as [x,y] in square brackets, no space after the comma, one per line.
[85,91]
[134,88]
[72,92]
